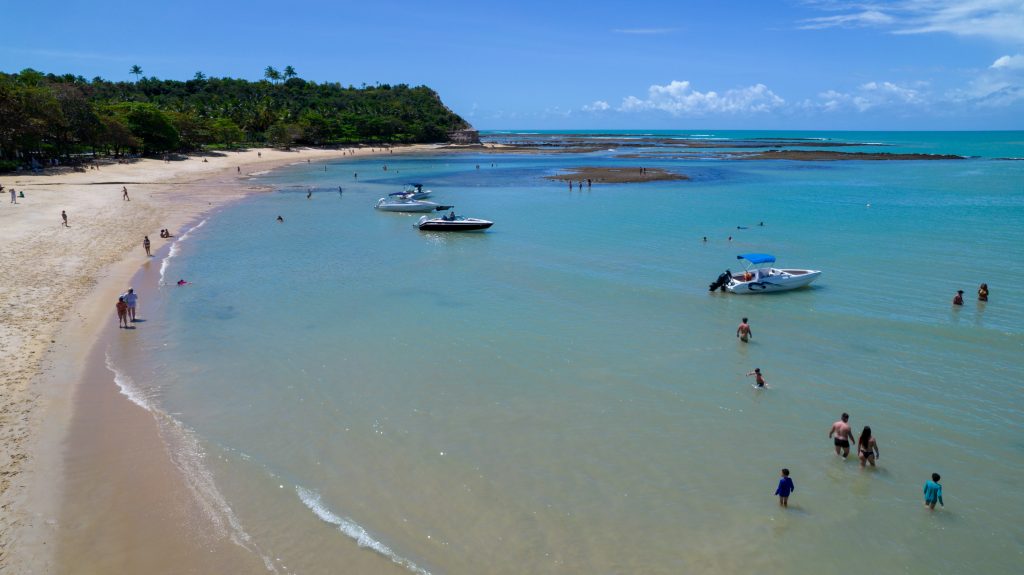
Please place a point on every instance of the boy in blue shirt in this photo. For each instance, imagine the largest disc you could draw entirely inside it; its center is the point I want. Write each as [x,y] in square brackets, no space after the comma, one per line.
[785,488]
[933,492]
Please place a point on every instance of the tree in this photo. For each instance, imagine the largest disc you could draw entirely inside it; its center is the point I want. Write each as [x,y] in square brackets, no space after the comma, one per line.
[199,76]
[289,72]
[271,74]
[149,124]
[135,70]
[117,135]
[225,131]
[283,135]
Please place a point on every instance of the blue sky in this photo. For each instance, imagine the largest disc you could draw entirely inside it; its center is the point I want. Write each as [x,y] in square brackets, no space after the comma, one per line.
[811,64]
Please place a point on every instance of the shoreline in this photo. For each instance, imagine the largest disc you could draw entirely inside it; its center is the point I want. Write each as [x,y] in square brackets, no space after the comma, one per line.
[57,288]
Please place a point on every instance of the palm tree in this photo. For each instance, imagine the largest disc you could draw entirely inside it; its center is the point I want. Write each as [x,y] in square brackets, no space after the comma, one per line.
[200,76]
[271,74]
[289,72]
[135,70]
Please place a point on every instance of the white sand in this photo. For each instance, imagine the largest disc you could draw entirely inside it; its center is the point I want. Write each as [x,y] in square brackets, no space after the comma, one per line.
[57,283]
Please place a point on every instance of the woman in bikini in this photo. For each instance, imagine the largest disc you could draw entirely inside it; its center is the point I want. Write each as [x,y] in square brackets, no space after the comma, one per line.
[867,447]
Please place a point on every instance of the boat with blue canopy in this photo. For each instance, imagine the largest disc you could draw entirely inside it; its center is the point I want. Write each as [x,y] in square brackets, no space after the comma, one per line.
[759,276]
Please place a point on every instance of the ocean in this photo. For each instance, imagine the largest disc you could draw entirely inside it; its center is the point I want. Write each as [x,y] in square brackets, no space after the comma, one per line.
[562,394]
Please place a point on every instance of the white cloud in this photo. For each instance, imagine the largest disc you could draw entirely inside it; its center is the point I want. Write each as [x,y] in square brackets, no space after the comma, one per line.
[678,99]
[1001,20]
[1009,62]
[596,106]
[869,96]
[865,18]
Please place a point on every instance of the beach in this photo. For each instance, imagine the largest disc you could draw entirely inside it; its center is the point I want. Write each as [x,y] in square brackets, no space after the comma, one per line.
[558,394]
[58,287]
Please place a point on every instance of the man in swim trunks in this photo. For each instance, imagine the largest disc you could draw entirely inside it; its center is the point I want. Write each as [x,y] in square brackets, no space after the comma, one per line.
[743,331]
[841,435]
[131,298]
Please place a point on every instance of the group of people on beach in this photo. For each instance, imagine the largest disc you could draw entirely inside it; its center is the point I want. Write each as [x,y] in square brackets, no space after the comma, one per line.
[842,436]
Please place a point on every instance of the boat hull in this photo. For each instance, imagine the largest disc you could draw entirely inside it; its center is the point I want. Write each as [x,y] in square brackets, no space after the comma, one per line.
[466,225]
[414,206]
[778,280]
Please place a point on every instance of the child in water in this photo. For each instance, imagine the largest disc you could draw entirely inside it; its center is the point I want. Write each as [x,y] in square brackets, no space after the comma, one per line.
[785,487]
[933,492]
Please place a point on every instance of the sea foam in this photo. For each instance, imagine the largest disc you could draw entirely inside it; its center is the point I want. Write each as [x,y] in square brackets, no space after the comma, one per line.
[175,249]
[353,530]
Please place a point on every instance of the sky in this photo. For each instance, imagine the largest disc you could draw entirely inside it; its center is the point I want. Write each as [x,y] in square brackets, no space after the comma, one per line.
[563,64]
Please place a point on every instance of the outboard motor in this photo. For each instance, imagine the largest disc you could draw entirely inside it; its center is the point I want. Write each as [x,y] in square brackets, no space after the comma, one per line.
[719,283]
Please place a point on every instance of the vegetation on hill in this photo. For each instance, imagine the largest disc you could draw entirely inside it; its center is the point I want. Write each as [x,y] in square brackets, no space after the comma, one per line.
[47,116]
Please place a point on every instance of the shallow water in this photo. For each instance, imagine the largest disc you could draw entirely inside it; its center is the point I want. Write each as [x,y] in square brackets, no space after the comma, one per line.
[561,394]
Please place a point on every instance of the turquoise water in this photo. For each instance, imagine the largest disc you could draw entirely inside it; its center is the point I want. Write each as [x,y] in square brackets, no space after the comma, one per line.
[561,394]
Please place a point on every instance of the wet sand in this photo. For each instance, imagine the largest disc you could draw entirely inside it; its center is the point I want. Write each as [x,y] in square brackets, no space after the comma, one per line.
[55,298]
[628,175]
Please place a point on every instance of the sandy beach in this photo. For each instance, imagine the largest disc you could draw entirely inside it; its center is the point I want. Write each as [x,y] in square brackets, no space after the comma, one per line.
[57,290]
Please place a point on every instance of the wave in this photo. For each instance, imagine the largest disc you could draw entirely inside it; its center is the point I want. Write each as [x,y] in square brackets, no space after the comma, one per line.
[259,173]
[174,249]
[353,530]
[187,454]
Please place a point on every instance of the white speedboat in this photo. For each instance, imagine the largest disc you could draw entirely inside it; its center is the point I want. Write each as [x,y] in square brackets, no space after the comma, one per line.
[452,223]
[406,205]
[412,192]
[759,276]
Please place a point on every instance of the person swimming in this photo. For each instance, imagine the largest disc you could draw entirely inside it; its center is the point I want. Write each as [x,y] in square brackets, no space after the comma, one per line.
[182,282]
[280,219]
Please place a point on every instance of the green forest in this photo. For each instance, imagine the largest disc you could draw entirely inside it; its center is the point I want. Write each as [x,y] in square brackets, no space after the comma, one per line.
[45,116]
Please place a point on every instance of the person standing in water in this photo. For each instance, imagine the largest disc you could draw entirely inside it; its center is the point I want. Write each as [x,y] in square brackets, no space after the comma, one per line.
[933,492]
[867,447]
[958,299]
[841,434]
[785,487]
[743,331]
[983,292]
[758,378]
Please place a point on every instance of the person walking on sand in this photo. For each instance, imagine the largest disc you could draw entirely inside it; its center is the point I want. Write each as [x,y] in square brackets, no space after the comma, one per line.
[841,434]
[130,299]
[64,218]
[933,492]
[758,378]
[124,194]
[786,486]
[982,289]
[743,331]
[14,197]
[958,299]
[146,244]
[122,313]
[867,447]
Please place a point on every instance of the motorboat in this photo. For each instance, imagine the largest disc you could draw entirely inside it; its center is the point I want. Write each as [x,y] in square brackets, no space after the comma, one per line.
[412,192]
[759,276]
[406,205]
[452,223]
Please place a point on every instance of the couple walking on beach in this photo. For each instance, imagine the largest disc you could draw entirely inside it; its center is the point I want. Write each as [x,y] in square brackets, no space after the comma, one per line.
[126,308]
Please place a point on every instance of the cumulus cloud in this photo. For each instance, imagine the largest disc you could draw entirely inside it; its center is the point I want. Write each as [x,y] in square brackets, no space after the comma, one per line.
[596,106]
[678,98]
[869,96]
[1001,20]
[1009,62]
